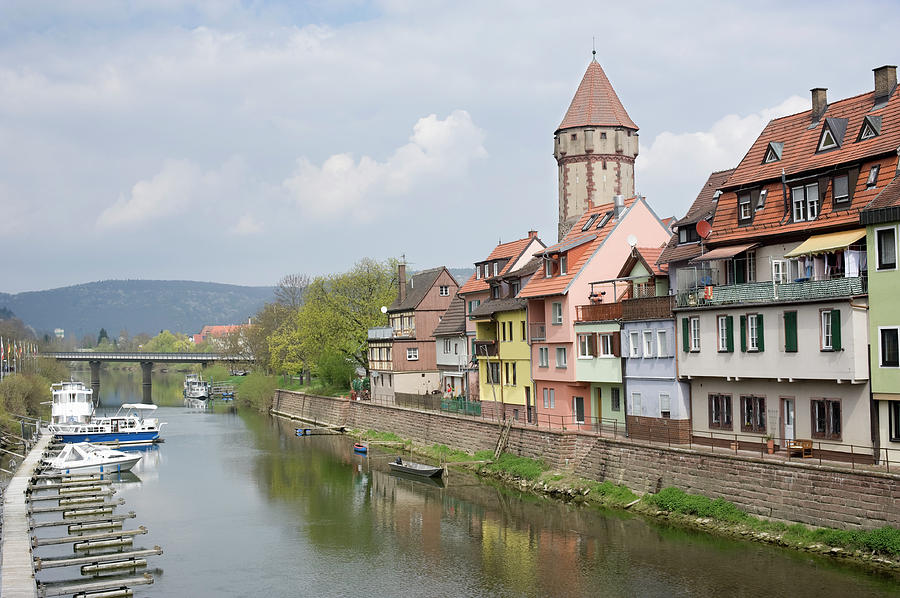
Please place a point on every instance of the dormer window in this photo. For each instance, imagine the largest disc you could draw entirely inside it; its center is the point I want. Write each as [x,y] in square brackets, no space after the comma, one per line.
[805,199]
[477,271]
[841,189]
[496,269]
[563,264]
[688,234]
[548,267]
[871,127]
[827,142]
[590,221]
[773,152]
[495,291]
[873,176]
[832,133]
[744,206]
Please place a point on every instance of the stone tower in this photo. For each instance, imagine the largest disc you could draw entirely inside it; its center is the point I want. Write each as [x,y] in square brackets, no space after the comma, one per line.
[595,147]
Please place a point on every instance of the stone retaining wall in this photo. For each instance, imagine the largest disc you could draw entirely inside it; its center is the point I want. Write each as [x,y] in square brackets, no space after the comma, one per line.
[814,494]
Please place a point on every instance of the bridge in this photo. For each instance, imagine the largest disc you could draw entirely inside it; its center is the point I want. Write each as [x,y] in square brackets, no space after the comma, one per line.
[145,359]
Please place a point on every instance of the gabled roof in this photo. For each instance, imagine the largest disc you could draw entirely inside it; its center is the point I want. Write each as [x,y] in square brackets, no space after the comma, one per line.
[802,142]
[453,322]
[596,103]
[888,198]
[703,208]
[540,286]
[417,287]
[493,306]
[528,269]
[650,255]
[511,251]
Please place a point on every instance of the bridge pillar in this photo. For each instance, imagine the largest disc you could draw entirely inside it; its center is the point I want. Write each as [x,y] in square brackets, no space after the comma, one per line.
[146,370]
[95,380]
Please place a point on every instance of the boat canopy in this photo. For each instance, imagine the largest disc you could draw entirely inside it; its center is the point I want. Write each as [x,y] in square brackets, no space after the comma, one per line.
[137,406]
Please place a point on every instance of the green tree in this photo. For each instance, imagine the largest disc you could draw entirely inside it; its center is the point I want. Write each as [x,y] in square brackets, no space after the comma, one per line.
[168,342]
[103,336]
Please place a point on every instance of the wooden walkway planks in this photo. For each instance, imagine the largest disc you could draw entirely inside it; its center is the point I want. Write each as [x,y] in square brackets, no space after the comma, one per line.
[17,566]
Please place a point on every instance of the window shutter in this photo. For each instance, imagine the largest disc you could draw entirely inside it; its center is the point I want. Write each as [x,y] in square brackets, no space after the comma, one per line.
[823,187]
[836,329]
[852,179]
[739,269]
[760,340]
[685,332]
[592,345]
[790,331]
[744,334]
[617,344]
[729,334]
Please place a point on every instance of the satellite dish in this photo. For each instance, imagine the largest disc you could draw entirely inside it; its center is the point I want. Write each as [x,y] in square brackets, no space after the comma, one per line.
[384,309]
[704,228]
[632,240]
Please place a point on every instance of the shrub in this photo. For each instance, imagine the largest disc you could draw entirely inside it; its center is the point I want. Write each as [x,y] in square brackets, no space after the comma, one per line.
[216,372]
[613,493]
[679,501]
[257,391]
[334,370]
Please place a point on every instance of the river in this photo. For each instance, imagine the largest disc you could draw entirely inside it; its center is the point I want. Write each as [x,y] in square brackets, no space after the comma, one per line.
[243,507]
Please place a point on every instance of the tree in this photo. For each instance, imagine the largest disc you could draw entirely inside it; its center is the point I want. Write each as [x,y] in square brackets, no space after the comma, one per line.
[290,290]
[168,342]
[102,336]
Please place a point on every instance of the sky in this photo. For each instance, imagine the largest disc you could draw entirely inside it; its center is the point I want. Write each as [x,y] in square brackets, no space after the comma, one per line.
[240,141]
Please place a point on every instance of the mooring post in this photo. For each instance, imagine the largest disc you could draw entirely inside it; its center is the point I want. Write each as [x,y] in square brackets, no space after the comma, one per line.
[95,380]
[147,370]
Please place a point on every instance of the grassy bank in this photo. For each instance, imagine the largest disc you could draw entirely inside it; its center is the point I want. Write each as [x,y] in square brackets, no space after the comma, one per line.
[879,548]
[256,390]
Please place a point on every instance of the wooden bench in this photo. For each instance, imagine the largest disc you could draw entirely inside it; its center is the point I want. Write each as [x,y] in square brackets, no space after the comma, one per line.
[804,447]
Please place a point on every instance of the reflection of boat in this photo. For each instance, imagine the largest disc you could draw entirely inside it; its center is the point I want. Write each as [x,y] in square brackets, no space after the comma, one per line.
[197,404]
[418,469]
[128,425]
[436,482]
[195,387]
[83,457]
[360,448]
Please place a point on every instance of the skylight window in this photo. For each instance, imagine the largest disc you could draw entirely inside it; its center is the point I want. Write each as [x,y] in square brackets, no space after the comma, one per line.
[604,220]
[590,221]
[762,199]
[873,176]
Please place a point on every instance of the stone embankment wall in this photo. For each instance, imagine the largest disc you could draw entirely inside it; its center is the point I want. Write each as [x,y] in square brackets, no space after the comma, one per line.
[796,491]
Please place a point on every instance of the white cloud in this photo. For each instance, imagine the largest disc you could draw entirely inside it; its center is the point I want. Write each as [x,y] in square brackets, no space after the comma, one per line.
[179,187]
[246,225]
[437,150]
[679,162]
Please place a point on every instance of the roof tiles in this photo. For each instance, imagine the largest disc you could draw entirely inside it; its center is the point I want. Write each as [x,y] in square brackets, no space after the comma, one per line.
[596,103]
[511,251]
[453,322]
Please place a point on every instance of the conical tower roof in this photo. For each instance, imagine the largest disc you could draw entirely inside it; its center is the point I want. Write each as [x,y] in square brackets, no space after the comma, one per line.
[596,103]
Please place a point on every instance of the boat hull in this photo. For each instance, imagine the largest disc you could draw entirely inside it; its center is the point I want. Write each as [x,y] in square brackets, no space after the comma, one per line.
[119,467]
[96,437]
[417,469]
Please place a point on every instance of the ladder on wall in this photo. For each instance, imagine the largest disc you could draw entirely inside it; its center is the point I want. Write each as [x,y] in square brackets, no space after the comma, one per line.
[504,438]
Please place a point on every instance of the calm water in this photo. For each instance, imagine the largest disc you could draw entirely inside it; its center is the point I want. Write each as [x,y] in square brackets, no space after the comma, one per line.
[242,507]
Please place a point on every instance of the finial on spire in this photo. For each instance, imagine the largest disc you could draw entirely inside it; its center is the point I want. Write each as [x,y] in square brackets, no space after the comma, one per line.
[594,47]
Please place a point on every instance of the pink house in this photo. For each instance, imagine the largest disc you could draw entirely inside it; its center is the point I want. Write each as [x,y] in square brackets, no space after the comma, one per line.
[593,250]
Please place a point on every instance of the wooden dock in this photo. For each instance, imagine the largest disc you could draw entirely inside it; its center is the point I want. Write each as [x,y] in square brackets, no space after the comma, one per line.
[17,569]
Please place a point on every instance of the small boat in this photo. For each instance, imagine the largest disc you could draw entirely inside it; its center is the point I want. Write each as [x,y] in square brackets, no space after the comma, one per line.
[419,469]
[195,387]
[360,448]
[83,457]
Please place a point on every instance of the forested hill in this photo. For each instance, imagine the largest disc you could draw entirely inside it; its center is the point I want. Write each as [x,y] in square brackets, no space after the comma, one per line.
[137,306]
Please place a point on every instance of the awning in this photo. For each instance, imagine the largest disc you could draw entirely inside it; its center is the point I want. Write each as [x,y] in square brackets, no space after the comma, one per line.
[829,242]
[723,253]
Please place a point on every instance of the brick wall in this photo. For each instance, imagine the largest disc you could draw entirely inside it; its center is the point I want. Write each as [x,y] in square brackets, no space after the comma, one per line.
[807,493]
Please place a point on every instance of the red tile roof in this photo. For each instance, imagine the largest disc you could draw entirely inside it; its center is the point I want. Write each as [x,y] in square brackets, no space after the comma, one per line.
[651,255]
[701,209]
[888,198]
[800,159]
[801,142]
[596,103]
[510,251]
[540,286]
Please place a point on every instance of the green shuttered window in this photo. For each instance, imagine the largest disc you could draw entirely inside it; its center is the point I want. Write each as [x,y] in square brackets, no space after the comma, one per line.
[744,334]
[729,334]
[790,331]
[685,335]
[836,329]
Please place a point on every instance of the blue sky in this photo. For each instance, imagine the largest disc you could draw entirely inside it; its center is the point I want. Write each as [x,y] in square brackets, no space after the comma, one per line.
[241,141]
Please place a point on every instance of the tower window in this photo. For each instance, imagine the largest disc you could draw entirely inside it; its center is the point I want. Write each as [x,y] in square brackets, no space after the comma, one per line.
[574,136]
[602,135]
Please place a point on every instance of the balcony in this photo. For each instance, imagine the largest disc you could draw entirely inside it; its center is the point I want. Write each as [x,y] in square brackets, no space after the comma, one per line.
[537,331]
[648,308]
[598,312]
[405,333]
[381,333]
[769,292]
[486,348]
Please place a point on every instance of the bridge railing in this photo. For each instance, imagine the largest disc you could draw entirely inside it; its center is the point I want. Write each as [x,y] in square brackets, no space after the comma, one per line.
[138,356]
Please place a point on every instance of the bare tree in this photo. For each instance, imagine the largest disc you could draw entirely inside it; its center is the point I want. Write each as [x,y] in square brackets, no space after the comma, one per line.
[291,289]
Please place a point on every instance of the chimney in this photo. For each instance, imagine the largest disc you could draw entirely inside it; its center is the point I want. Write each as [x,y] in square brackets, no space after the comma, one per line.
[819,103]
[618,205]
[532,234]
[401,276]
[885,82]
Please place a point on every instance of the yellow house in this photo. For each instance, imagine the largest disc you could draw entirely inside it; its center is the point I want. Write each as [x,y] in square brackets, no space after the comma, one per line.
[502,349]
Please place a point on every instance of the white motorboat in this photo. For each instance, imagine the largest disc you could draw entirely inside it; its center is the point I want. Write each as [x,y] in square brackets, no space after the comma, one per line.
[195,387]
[127,426]
[72,403]
[84,457]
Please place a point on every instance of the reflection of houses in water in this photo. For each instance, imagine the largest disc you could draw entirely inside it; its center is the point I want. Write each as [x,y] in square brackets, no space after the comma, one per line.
[411,512]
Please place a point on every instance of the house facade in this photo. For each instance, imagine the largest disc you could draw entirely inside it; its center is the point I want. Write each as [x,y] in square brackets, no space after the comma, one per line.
[505,258]
[452,349]
[882,221]
[594,249]
[402,356]
[773,329]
